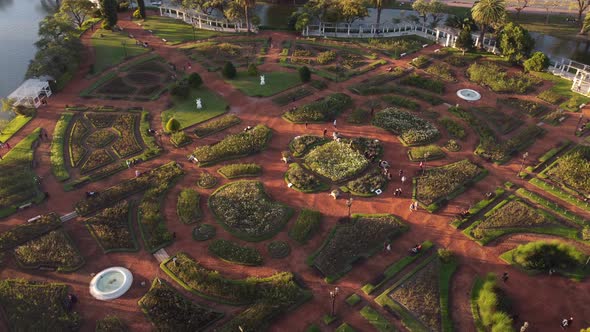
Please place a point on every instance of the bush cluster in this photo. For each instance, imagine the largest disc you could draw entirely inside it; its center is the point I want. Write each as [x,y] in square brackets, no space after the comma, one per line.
[411,129]
[306,225]
[324,109]
[234,253]
[425,83]
[496,78]
[544,256]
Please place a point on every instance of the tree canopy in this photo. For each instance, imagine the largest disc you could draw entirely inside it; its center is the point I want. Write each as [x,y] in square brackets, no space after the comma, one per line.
[488,13]
[516,42]
[76,10]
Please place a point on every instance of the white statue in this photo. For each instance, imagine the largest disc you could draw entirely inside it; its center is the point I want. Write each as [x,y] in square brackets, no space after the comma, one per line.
[199,104]
[262,82]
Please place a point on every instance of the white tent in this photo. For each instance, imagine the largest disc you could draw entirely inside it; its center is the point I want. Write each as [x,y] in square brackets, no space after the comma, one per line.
[31,93]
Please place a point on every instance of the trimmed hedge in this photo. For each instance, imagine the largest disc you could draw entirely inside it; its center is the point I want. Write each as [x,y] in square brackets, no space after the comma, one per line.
[307,224]
[187,206]
[28,231]
[216,125]
[240,170]
[425,83]
[58,162]
[324,109]
[232,252]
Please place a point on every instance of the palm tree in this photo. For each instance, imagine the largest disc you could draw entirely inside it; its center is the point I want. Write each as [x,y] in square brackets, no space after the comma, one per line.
[487,13]
[247,4]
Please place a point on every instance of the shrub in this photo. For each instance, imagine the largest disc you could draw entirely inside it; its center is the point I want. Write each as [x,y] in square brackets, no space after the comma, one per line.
[544,256]
[234,253]
[452,145]
[420,61]
[172,125]
[111,228]
[527,107]
[54,250]
[426,152]
[304,74]
[489,305]
[216,125]
[204,232]
[496,78]
[28,231]
[106,25]
[453,127]
[195,80]
[187,206]
[305,226]
[278,249]
[445,255]
[234,146]
[441,181]
[573,170]
[551,97]
[586,233]
[423,83]
[240,170]
[252,69]
[229,70]
[180,89]
[137,15]
[326,57]
[538,62]
[358,116]
[111,323]
[442,70]
[324,109]
[206,180]
[180,138]
[300,145]
[401,102]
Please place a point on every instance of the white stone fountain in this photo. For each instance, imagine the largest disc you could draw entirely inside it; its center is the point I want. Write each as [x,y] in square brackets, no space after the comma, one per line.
[111,283]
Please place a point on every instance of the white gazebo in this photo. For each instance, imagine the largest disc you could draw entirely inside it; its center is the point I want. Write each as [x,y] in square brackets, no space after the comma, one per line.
[31,93]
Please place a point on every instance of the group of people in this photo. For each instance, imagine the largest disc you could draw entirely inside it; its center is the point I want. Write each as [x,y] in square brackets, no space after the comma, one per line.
[583,125]
[131,162]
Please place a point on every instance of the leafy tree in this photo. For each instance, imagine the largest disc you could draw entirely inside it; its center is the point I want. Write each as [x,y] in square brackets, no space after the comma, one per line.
[172,125]
[586,25]
[464,40]
[7,104]
[320,9]
[549,6]
[304,74]
[487,13]
[247,6]
[519,5]
[351,10]
[516,42]
[422,7]
[229,70]
[76,10]
[538,62]
[109,12]
[252,70]
[580,6]
[204,6]
[195,80]
[137,14]
[461,22]
[436,9]
[379,7]
[141,7]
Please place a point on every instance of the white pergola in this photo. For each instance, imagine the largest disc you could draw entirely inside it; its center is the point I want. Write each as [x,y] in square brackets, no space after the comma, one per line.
[31,93]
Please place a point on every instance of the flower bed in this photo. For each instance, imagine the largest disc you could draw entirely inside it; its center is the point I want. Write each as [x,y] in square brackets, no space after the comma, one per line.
[96,159]
[335,160]
[111,228]
[268,297]
[206,181]
[126,145]
[363,236]
[442,71]
[366,185]
[187,206]
[100,138]
[116,193]
[300,145]
[394,100]
[527,107]
[496,78]
[204,232]
[53,250]
[501,122]
[477,208]
[37,306]
[180,139]
[232,252]
[168,310]
[550,96]
[234,146]
[111,324]
[420,61]
[278,249]
[452,146]
[101,120]
[445,182]
[425,83]
[233,171]
[77,151]
[372,85]
[292,96]
[216,125]
[572,171]
[25,232]
[321,110]
[452,127]
[358,116]
[426,153]
[245,210]
[304,181]
[410,129]
[307,223]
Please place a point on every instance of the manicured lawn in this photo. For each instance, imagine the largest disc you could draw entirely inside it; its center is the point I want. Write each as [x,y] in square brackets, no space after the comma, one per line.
[186,112]
[176,31]
[377,320]
[562,87]
[109,50]
[275,82]
[13,127]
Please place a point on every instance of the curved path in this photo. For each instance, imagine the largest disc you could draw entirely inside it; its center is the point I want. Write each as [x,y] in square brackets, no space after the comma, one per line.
[530,303]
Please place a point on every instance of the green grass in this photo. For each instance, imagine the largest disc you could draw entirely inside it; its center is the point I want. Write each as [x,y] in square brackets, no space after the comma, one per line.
[109,50]
[13,127]
[185,110]
[552,206]
[344,327]
[396,267]
[556,27]
[446,274]
[562,87]
[477,284]
[176,31]
[577,274]
[58,162]
[379,322]
[557,192]
[475,209]
[353,299]
[276,82]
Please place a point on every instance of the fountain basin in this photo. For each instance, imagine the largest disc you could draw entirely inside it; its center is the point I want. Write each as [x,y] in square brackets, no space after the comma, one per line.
[469,95]
[111,283]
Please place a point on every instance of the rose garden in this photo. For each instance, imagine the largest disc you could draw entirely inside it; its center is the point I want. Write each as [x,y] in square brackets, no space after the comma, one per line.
[272,181]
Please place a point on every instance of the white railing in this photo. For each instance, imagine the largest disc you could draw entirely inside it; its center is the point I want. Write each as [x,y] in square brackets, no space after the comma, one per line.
[206,22]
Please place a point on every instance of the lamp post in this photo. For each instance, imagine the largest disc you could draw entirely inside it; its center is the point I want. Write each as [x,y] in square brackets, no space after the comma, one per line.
[349,205]
[579,121]
[426,156]
[524,156]
[333,295]
[124,48]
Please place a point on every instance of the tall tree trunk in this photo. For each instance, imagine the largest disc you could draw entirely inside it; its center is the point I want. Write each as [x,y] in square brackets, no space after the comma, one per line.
[481,35]
[247,17]
[379,8]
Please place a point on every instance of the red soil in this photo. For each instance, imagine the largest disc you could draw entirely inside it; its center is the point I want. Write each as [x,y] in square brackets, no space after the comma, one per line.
[530,303]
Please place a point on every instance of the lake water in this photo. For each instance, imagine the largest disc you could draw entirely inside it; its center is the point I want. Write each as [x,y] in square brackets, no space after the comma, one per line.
[19,21]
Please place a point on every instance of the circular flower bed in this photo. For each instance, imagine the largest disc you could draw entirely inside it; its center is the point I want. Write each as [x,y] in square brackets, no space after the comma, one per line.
[278,249]
[206,181]
[336,160]
[204,232]
[452,146]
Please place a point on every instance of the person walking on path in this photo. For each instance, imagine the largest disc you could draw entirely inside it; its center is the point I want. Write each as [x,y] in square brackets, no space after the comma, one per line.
[7,145]
[389,248]
[401,173]
[403,180]
[505,276]
[524,327]
[566,322]
[334,123]
[306,125]
[325,131]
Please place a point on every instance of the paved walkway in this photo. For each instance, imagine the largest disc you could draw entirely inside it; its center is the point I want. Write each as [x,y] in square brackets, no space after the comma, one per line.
[566,297]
